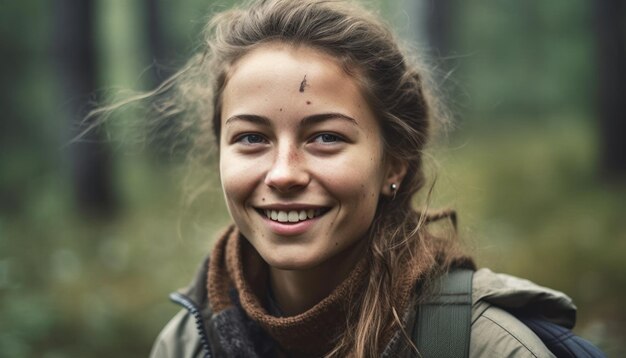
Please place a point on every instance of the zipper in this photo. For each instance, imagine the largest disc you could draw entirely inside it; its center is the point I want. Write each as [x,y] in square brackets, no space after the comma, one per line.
[192,308]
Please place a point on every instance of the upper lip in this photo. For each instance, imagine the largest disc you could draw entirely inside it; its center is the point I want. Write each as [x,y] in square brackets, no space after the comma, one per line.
[292,206]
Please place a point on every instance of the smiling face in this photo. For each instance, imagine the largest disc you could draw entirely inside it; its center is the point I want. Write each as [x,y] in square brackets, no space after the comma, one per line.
[301,157]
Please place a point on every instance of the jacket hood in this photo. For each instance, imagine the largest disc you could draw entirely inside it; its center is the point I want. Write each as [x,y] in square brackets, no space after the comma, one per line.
[523,296]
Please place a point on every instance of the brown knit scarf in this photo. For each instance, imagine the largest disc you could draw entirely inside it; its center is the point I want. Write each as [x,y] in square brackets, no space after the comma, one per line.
[235,263]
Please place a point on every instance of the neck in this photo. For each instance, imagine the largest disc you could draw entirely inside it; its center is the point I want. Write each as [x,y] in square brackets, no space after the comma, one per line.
[296,291]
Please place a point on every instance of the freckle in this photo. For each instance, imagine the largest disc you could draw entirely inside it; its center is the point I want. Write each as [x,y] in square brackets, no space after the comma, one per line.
[262,199]
[281,109]
[336,243]
[308,102]
[293,156]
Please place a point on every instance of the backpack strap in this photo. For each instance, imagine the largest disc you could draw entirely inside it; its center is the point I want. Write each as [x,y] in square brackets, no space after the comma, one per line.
[442,328]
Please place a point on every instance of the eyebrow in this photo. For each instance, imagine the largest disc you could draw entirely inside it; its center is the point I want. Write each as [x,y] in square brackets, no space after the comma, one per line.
[264,121]
[305,122]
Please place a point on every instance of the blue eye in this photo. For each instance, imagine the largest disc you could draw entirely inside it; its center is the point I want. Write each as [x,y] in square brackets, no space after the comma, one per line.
[251,139]
[327,138]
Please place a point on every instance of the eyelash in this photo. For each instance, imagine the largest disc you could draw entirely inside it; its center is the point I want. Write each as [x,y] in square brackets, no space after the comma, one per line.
[241,139]
[245,138]
[337,138]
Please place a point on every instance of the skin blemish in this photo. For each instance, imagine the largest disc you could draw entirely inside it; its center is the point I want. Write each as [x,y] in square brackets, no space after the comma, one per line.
[281,109]
[303,84]
[262,199]
[308,102]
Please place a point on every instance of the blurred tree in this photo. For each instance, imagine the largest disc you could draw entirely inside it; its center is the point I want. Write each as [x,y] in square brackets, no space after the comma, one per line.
[609,16]
[440,36]
[439,29]
[161,51]
[76,64]
[158,45]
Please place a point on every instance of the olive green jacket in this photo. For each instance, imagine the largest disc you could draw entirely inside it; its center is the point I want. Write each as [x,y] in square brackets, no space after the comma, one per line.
[494,331]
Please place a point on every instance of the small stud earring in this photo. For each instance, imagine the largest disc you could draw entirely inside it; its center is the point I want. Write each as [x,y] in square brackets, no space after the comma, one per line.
[393,187]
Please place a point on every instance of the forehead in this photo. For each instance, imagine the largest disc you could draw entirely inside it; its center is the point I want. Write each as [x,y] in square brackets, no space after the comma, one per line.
[297,78]
[276,58]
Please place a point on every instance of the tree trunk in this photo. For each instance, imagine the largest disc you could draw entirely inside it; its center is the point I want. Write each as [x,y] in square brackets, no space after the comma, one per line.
[157,43]
[76,65]
[439,30]
[162,134]
[611,84]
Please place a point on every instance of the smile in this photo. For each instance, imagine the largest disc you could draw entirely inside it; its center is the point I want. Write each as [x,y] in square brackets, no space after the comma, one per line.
[292,216]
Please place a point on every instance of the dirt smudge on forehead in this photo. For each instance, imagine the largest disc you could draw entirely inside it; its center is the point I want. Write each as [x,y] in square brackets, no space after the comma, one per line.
[303,84]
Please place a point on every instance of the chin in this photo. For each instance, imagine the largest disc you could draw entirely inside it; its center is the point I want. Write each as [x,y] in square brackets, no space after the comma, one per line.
[290,262]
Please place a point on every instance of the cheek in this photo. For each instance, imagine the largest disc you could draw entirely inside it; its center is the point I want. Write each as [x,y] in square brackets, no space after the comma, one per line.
[237,178]
[355,180]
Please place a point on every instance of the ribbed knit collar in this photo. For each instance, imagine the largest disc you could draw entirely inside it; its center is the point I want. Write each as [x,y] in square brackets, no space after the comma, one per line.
[235,264]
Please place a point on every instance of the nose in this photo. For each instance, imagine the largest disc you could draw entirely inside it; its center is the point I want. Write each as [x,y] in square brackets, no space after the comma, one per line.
[288,171]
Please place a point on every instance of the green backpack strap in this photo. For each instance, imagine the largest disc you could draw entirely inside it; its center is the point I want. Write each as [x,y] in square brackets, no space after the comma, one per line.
[442,327]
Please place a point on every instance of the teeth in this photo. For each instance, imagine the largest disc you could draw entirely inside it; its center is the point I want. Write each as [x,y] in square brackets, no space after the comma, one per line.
[292,216]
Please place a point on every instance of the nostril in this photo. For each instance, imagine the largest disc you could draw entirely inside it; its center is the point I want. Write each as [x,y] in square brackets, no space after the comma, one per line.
[286,177]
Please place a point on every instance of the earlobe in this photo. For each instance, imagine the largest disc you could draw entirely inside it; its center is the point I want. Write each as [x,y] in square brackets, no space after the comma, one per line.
[390,190]
[395,174]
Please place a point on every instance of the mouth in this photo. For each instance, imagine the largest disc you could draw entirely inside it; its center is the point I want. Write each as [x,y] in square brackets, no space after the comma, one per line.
[292,216]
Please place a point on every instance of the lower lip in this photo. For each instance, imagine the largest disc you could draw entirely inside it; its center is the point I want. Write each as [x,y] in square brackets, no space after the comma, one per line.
[290,229]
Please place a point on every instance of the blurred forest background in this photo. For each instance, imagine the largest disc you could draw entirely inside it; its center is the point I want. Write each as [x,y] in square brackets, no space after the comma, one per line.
[95,234]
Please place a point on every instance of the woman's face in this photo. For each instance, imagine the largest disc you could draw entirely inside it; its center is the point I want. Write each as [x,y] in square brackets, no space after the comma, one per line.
[301,156]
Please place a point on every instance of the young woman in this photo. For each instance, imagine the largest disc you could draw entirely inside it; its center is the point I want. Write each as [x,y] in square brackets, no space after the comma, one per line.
[320,121]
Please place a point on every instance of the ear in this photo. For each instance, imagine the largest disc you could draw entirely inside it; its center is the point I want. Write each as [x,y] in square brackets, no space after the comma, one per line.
[395,172]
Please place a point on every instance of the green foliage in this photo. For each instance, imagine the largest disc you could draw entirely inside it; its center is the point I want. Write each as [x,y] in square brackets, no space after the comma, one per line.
[528,57]
[74,286]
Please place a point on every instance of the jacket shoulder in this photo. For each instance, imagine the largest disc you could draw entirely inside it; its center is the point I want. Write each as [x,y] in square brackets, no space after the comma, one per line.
[179,338]
[497,333]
